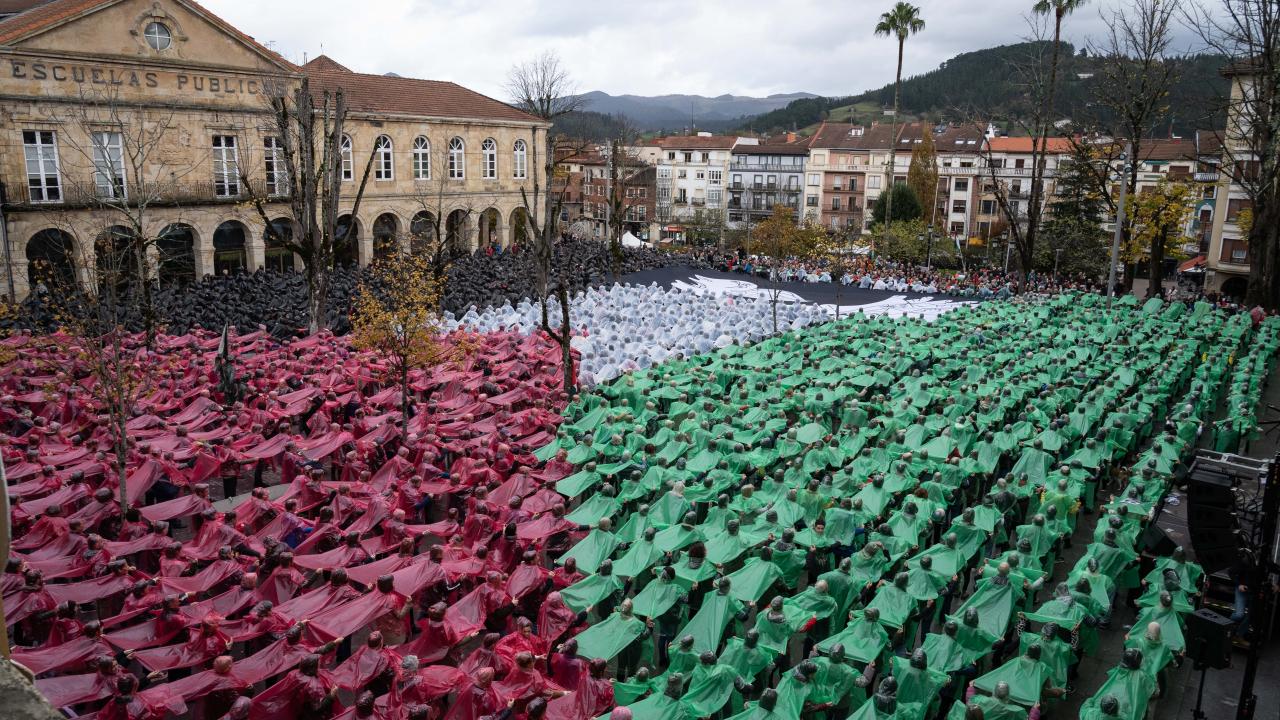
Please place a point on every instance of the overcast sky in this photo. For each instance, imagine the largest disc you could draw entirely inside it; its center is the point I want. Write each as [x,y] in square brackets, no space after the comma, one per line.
[654,47]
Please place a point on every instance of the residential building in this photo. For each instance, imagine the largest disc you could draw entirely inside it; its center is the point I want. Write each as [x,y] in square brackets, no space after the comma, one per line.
[1010,164]
[692,172]
[838,174]
[635,194]
[762,175]
[84,78]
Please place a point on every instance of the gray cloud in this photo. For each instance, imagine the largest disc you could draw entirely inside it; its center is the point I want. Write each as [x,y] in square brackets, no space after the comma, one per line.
[707,47]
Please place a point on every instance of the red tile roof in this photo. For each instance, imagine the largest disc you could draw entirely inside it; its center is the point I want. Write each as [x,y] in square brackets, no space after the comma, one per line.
[43,17]
[1168,149]
[408,96]
[1059,146]
[797,148]
[838,136]
[695,142]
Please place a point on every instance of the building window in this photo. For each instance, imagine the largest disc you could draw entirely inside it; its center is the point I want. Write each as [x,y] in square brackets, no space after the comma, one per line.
[688,157]
[957,228]
[757,181]
[835,203]
[457,163]
[348,163]
[715,176]
[1238,255]
[158,36]
[682,173]
[43,182]
[671,156]
[959,206]
[108,165]
[961,185]
[275,174]
[853,184]
[520,159]
[421,158]
[713,196]
[873,182]
[737,180]
[226,166]
[489,152]
[384,163]
[811,201]
[700,175]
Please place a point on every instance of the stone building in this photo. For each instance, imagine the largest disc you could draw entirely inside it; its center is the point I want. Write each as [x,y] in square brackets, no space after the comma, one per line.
[158,112]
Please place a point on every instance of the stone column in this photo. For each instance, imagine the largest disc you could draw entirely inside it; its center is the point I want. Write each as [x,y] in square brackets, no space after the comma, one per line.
[255,253]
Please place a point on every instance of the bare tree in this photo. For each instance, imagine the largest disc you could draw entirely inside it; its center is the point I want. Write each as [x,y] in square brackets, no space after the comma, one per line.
[1028,118]
[116,160]
[430,234]
[542,87]
[1136,74]
[310,161]
[1248,32]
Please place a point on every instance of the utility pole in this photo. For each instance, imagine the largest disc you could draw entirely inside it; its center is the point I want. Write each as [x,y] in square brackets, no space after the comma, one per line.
[1115,240]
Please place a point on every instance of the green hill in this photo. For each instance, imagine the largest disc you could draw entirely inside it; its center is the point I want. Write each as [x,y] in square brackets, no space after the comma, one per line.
[983,83]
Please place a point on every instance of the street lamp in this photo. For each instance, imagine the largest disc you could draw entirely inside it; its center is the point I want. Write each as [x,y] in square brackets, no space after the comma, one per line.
[1115,240]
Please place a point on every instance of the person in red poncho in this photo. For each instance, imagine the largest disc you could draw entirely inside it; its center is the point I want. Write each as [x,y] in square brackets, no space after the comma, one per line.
[127,705]
[372,666]
[303,693]
[477,700]
[524,683]
[521,641]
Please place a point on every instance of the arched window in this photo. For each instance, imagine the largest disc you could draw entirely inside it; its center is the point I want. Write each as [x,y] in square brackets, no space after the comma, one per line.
[521,161]
[457,164]
[384,164]
[421,158]
[490,151]
[348,165]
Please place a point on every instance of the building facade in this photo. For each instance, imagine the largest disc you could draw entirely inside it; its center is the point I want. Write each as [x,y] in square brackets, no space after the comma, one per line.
[157,113]
[1227,262]
[692,172]
[762,176]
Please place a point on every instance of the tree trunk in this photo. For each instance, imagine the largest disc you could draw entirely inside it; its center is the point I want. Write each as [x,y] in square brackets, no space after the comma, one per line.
[893,141]
[404,398]
[566,338]
[1264,240]
[122,456]
[317,296]
[1155,280]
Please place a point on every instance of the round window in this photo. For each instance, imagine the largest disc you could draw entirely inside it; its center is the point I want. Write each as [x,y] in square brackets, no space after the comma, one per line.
[158,36]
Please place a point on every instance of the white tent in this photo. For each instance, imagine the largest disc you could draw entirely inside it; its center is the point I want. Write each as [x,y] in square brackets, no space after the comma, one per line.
[629,240]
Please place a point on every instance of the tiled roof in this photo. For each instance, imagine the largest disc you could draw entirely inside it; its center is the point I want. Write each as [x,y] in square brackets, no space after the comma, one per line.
[695,142]
[1209,142]
[838,136]
[1168,149]
[9,7]
[1059,146]
[796,148]
[43,16]
[408,96]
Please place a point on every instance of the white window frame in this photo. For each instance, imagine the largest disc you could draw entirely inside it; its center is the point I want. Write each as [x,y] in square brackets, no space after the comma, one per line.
[457,158]
[154,38]
[384,162]
[109,179]
[348,161]
[275,175]
[489,159]
[873,182]
[421,158]
[715,177]
[814,179]
[44,183]
[520,160]
[226,166]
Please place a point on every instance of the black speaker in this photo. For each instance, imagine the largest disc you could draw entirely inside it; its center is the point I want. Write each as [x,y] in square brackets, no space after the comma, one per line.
[1211,519]
[1157,543]
[1208,637]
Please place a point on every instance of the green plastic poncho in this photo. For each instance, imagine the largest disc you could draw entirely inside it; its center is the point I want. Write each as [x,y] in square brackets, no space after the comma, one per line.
[605,640]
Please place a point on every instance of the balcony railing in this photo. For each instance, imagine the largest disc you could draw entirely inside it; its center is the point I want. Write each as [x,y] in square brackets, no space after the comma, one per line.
[765,167]
[1205,177]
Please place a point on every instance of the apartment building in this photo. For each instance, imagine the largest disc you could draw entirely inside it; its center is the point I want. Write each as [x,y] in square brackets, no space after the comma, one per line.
[763,175]
[691,175]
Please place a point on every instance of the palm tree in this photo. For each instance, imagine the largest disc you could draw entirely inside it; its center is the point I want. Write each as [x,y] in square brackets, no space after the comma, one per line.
[1060,10]
[901,22]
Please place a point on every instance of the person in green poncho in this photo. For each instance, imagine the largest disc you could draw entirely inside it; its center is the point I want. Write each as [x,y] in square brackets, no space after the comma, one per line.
[613,637]
[1128,684]
[996,599]
[1027,675]
[996,706]
[918,686]
[838,687]
[795,689]
[865,639]
[593,549]
[1156,656]
[599,591]
[664,706]
[765,709]
[710,686]
[883,705]
[751,662]
[898,609]
[1168,618]
[714,614]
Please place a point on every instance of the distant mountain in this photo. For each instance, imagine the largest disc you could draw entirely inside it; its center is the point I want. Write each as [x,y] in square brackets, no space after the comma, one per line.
[982,82]
[673,112]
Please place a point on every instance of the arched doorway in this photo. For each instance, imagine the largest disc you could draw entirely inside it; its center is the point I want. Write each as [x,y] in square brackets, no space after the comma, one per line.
[229,254]
[176,251]
[490,229]
[519,227]
[117,261]
[278,258]
[346,241]
[386,236]
[51,260]
[1235,288]
[422,234]
[456,232]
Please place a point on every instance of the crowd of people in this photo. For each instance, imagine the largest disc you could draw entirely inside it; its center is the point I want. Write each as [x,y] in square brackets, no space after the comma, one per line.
[860,519]
[278,300]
